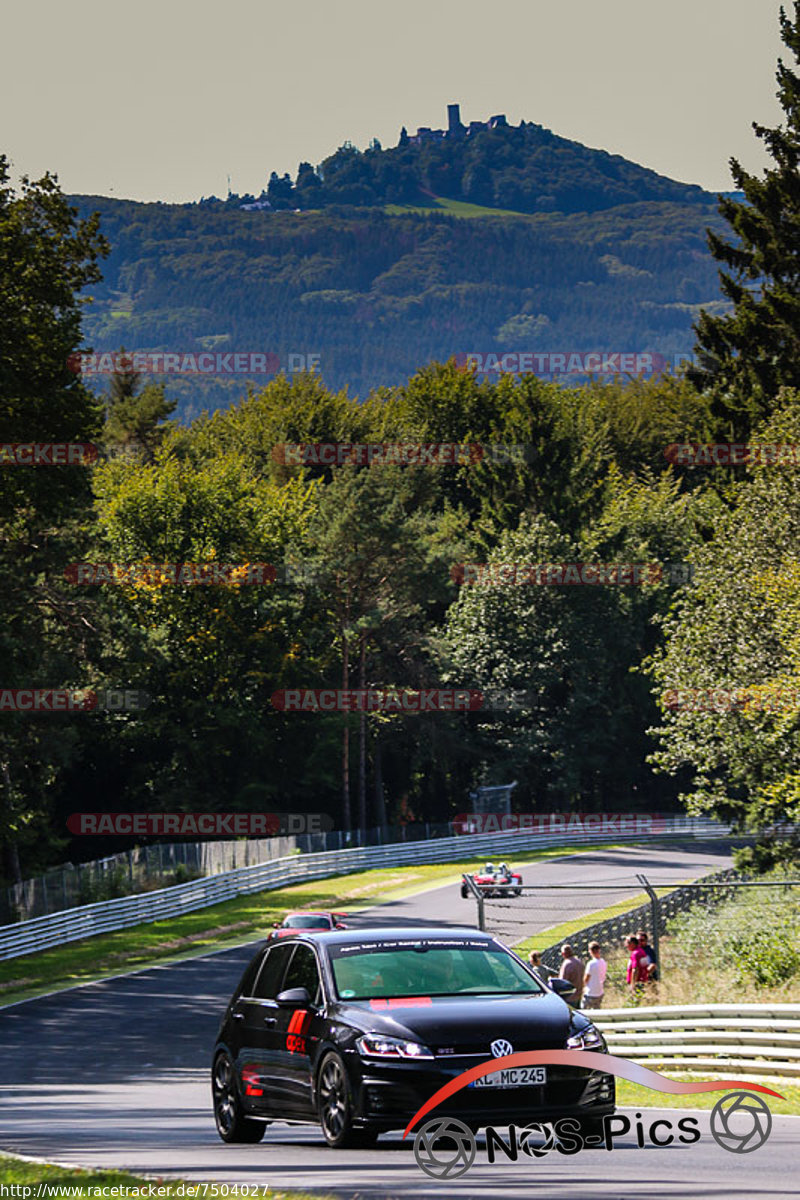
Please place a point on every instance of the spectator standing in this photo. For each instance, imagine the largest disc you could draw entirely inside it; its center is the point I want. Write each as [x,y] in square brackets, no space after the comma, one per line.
[543,973]
[652,966]
[572,970]
[594,978]
[636,975]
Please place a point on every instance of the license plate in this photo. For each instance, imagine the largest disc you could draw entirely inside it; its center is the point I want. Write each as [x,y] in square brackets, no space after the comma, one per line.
[513,1077]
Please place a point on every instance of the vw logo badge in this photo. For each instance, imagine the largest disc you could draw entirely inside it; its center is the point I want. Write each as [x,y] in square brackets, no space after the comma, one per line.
[501,1047]
[444,1148]
[740,1122]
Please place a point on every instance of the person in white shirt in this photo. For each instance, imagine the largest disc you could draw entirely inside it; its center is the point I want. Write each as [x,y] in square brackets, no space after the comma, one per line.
[594,978]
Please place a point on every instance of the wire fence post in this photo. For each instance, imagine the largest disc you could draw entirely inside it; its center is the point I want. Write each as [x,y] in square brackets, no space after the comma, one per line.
[471,886]
[655,918]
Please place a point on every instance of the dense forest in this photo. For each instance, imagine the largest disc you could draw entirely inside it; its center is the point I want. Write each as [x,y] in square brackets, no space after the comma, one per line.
[373,295]
[675,687]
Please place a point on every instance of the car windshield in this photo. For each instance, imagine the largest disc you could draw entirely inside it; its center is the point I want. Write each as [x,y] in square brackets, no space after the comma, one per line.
[310,921]
[395,969]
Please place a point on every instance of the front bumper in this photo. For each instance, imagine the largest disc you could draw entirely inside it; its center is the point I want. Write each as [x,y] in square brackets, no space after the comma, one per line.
[388,1095]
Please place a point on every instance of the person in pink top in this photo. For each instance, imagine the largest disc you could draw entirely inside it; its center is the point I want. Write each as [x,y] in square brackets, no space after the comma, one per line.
[636,975]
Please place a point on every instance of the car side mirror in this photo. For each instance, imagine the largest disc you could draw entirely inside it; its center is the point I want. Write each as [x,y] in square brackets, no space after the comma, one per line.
[561,987]
[277,924]
[340,925]
[294,998]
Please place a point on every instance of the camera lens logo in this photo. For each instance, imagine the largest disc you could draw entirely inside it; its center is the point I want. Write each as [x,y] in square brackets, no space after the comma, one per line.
[538,1139]
[740,1122]
[444,1148]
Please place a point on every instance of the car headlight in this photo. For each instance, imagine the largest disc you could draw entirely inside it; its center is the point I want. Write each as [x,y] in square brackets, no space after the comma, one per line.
[589,1038]
[377,1045]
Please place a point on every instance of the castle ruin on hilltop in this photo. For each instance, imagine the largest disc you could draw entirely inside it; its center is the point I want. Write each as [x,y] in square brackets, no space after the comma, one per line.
[455,128]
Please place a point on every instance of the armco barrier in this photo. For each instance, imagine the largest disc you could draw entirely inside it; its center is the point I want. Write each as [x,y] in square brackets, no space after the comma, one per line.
[759,1039]
[26,937]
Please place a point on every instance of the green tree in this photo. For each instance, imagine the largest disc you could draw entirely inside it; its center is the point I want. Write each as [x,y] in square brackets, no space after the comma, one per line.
[382,554]
[209,655]
[47,258]
[747,355]
[727,676]
[136,415]
[577,731]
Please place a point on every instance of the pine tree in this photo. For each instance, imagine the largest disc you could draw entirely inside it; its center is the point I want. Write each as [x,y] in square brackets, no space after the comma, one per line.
[745,357]
[135,418]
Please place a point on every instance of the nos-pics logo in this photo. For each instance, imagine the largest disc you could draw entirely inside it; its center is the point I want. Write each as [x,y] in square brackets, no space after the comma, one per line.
[445,1148]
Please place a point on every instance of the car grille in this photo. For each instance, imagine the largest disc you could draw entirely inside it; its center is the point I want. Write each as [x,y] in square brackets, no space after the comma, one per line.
[482,1050]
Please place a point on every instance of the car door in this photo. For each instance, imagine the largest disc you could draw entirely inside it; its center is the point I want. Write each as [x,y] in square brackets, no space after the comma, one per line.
[263,1086]
[298,1031]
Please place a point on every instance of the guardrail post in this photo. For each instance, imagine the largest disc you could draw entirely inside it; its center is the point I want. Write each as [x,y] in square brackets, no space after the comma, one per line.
[655,918]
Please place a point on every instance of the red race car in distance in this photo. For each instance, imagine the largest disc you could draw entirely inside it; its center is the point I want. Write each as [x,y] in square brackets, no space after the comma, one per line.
[308,921]
[495,881]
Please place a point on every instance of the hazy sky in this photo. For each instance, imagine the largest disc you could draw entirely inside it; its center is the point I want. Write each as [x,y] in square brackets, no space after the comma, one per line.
[162,99]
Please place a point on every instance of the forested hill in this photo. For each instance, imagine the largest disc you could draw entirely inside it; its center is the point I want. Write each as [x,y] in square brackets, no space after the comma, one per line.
[376,262]
[524,168]
[375,295]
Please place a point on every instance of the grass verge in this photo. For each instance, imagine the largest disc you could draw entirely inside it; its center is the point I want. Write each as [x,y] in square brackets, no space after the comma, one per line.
[631,1095]
[75,1182]
[234,922]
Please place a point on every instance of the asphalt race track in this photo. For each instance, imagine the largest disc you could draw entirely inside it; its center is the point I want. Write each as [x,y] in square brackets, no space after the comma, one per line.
[115,1074]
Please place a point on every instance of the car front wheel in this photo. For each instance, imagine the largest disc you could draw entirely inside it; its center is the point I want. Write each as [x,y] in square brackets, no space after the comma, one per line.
[232,1124]
[335,1106]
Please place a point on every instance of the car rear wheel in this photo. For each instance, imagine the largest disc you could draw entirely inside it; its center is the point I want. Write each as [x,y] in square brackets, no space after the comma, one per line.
[464,892]
[335,1106]
[232,1124]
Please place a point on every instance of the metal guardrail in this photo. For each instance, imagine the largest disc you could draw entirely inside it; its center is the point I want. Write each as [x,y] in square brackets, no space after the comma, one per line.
[158,864]
[760,1039]
[41,933]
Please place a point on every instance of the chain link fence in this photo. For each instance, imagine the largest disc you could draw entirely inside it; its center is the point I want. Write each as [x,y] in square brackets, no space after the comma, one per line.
[147,868]
[725,935]
[655,915]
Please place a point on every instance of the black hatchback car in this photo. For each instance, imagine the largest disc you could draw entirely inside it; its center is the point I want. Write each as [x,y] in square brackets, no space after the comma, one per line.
[356,1030]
